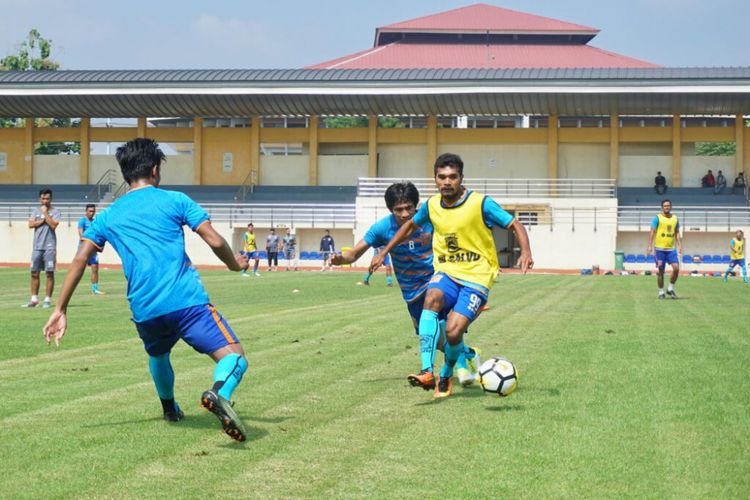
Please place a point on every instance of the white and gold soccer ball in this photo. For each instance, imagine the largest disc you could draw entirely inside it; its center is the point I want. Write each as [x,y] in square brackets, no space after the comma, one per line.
[498,377]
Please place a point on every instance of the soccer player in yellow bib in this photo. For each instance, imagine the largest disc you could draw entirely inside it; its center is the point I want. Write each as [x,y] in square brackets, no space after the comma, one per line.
[465,261]
[665,232]
[737,254]
[250,249]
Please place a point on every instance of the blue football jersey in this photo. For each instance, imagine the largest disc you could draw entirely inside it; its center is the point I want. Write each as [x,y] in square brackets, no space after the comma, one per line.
[412,259]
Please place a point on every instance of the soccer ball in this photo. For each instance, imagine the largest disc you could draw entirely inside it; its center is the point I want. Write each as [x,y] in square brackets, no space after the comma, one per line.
[498,377]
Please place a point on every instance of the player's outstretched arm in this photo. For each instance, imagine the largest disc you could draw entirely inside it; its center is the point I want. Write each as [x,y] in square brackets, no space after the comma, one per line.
[221,248]
[403,232]
[650,247]
[525,260]
[58,321]
[352,255]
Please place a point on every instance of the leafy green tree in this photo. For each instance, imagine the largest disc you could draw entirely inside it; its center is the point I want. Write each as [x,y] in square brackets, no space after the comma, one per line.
[34,55]
[363,122]
[715,148]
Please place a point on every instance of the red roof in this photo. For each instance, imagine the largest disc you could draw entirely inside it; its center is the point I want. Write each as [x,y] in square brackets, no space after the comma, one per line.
[483,36]
[482,17]
[412,55]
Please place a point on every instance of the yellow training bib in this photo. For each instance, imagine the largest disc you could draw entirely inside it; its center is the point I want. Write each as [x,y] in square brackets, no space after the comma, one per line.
[462,243]
[666,232]
[249,242]
[738,249]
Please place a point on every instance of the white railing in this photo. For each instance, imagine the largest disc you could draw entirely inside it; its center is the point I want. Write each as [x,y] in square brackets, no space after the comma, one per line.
[690,218]
[504,188]
[262,214]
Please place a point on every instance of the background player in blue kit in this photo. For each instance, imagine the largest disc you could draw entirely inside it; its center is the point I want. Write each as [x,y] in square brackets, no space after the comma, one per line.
[167,299]
[412,259]
[83,224]
[388,270]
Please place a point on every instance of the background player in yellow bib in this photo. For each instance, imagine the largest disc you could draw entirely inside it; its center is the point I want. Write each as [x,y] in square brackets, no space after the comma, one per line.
[250,249]
[737,254]
[465,261]
[665,233]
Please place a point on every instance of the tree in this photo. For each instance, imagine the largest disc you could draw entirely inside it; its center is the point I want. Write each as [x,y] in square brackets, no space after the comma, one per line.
[34,55]
[362,122]
[715,148]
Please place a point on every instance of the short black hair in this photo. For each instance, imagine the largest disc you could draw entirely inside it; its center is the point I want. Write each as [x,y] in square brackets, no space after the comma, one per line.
[45,191]
[138,157]
[449,159]
[250,224]
[399,192]
[665,201]
[90,205]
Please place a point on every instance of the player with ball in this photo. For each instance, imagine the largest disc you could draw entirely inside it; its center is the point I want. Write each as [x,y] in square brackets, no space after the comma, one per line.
[465,261]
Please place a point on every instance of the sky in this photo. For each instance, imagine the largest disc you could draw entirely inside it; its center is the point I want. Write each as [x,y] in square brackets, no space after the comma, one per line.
[253,34]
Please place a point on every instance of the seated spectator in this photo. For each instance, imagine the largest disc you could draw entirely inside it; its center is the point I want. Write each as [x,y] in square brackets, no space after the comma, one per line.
[708,180]
[739,183]
[721,183]
[660,183]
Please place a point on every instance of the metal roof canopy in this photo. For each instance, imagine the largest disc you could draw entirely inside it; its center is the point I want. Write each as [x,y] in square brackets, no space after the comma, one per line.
[242,93]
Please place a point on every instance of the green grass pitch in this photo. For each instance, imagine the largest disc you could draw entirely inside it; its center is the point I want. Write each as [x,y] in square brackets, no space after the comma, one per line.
[620,395]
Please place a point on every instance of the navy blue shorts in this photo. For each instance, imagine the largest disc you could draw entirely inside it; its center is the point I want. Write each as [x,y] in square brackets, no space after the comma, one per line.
[664,257]
[249,255]
[94,260]
[462,299]
[736,262]
[201,327]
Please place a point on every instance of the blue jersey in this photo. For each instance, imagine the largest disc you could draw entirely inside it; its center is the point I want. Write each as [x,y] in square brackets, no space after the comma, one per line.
[84,223]
[412,259]
[492,215]
[145,229]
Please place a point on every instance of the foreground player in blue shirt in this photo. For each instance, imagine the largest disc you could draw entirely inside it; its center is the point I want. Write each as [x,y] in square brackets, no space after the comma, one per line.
[166,296]
[412,261]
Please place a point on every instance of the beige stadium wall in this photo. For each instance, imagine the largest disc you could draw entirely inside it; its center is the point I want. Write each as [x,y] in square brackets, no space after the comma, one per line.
[507,161]
[280,170]
[695,167]
[57,169]
[98,166]
[178,170]
[583,161]
[402,161]
[639,171]
[341,170]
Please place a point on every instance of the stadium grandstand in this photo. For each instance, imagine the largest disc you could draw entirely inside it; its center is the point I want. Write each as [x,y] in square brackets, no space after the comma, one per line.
[565,135]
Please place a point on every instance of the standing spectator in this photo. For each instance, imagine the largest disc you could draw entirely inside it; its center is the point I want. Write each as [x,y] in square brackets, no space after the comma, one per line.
[721,183]
[739,183]
[44,221]
[708,180]
[272,250]
[290,250]
[660,183]
[327,248]
[83,224]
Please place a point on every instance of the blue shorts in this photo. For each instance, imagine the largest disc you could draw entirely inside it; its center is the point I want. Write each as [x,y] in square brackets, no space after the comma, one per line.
[736,262]
[94,260]
[464,300]
[201,327]
[249,255]
[415,310]
[664,257]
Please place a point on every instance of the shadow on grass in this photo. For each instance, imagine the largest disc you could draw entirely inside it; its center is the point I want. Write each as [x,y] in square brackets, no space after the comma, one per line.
[383,379]
[550,391]
[504,408]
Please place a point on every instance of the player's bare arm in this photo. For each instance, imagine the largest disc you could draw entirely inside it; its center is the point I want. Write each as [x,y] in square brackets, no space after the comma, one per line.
[221,248]
[525,260]
[403,232]
[352,255]
[650,247]
[58,321]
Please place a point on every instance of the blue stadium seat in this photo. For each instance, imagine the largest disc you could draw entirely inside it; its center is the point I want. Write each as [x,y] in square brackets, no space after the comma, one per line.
[304,255]
[717,259]
[630,258]
[316,255]
[707,259]
[650,259]
[640,258]
[726,259]
[687,259]
[262,254]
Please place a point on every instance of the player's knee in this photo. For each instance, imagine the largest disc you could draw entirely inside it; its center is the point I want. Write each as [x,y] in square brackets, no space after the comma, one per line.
[433,301]
[454,334]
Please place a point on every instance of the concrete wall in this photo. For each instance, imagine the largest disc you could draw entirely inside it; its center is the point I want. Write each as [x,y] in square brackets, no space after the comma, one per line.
[12,144]
[341,170]
[511,161]
[639,171]
[57,169]
[402,161]
[284,170]
[695,167]
[583,161]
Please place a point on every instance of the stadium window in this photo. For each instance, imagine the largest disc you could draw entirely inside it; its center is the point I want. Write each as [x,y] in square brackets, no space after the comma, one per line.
[528,218]
[114,122]
[281,149]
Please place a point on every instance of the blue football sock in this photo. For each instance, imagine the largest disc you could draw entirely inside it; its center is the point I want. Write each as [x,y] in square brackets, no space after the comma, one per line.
[367,277]
[429,332]
[389,280]
[744,274]
[163,375]
[228,373]
[452,353]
